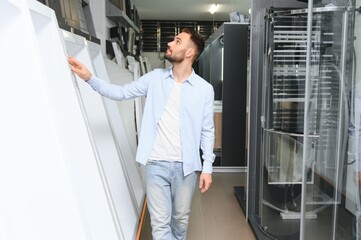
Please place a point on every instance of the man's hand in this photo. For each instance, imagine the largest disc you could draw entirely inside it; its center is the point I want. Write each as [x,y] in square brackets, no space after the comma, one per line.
[79,69]
[205,181]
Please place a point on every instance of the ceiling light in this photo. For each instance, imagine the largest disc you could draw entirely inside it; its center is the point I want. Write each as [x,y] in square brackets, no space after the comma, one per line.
[213,8]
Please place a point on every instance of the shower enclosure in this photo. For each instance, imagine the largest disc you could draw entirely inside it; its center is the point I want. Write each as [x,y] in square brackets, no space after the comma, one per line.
[300,175]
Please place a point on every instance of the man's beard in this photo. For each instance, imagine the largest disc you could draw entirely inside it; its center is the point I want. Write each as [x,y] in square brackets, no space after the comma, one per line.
[173,59]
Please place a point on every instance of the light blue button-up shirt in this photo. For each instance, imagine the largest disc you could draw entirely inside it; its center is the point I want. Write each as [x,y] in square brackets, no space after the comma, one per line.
[195,114]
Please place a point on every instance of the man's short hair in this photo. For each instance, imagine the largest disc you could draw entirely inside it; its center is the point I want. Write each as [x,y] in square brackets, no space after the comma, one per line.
[197,39]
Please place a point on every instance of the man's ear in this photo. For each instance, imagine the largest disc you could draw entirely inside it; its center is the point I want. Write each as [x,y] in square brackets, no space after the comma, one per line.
[190,52]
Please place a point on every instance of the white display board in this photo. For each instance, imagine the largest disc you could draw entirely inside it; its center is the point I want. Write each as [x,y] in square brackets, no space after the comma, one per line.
[128,162]
[119,57]
[33,180]
[139,101]
[50,182]
[120,76]
[110,161]
[61,171]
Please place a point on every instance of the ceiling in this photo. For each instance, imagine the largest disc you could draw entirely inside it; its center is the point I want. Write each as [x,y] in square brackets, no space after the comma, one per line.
[195,10]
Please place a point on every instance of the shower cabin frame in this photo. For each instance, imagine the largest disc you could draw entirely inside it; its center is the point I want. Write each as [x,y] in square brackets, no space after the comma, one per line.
[262,113]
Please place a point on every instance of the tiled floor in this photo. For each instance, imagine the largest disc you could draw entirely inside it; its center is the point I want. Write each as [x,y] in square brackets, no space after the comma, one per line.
[216,214]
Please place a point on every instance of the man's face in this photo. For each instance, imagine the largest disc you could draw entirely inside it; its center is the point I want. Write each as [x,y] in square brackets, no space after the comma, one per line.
[176,50]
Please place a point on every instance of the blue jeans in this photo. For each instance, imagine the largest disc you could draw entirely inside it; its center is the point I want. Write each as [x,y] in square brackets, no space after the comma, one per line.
[169,198]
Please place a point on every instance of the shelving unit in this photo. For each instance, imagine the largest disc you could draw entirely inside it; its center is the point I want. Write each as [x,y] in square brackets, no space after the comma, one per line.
[119,16]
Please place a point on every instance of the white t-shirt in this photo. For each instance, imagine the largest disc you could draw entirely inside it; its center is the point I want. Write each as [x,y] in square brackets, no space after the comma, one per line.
[167,144]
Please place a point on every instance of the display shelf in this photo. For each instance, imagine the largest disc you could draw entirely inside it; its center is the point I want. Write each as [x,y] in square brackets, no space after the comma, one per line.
[74,16]
[314,10]
[291,134]
[79,32]
[119,16]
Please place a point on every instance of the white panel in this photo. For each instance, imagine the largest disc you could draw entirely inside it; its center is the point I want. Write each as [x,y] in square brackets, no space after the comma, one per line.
[110,163]
[142,65]
[119,57]
[37,200]
[97,213]
[121,76]
[139,106]
[127,157]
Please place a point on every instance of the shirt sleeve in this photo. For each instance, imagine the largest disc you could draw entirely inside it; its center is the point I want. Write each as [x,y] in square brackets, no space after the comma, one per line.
[207,135]
[115,92]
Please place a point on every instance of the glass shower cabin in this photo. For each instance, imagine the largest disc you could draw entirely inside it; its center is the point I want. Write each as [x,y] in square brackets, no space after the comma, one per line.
[304,124]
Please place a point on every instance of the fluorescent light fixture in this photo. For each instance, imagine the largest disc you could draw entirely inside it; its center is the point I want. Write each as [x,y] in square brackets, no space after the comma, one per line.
[213,8]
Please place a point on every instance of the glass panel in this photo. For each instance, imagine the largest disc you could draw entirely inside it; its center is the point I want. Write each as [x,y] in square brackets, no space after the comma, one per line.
[283,159]
[323,204]
[354,150]
[283,110]
[326,215]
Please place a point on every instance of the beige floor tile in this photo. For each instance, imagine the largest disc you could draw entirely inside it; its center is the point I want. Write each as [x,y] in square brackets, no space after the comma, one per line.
[196,212]
[221,233]
[230,234]
[210,222]
[222,216]
[220,209]
[196,230]
[230,222]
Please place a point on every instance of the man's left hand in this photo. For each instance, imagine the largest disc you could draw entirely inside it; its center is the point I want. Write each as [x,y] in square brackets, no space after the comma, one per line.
[205,181]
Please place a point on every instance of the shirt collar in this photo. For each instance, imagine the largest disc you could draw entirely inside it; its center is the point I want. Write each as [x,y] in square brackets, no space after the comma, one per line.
[191,80]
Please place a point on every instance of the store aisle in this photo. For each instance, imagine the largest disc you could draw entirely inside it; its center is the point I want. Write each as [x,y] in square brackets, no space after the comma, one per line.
[216,214]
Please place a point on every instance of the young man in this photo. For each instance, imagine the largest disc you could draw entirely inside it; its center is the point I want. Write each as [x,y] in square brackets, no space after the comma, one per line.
[177,121]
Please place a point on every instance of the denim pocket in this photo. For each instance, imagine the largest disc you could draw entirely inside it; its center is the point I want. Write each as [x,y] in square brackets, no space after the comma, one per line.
[151,162]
